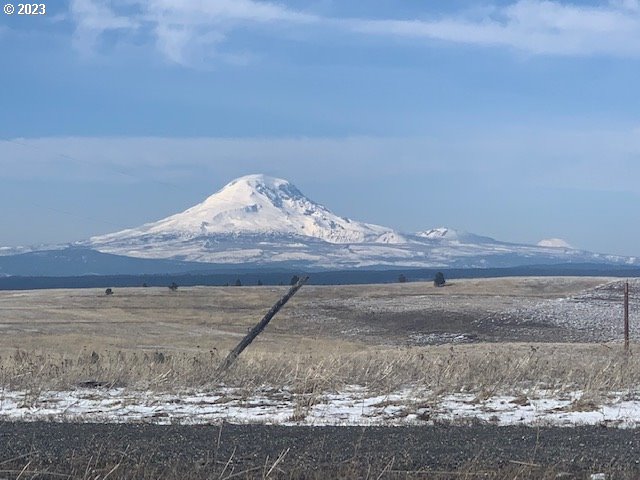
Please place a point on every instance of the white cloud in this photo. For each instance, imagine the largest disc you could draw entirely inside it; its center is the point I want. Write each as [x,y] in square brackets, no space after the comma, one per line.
[185,46]
[207,11]
[631,5]
[186,32]
[535,27]
[93,18]
[181,27]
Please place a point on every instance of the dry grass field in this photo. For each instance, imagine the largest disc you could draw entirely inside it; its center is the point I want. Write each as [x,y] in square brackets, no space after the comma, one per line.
[325,338]
[190,319]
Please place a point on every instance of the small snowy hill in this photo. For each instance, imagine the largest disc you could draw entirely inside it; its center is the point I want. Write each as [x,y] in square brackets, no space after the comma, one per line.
[444,234]
[264,221]
[554,243]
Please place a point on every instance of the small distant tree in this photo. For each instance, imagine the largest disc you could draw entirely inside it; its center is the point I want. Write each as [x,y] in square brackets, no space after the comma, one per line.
[144,285]
[238,283]
[402,278]
[295,279]
[108,291]
[439,280]
[173,287]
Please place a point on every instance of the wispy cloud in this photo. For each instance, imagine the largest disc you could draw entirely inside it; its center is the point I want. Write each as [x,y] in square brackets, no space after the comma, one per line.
[535,27]
[186,29]
[186,32]
[95,17]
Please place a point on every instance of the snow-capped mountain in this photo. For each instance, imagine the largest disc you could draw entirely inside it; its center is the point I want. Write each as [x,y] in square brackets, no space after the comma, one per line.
[262,220]
[260,205]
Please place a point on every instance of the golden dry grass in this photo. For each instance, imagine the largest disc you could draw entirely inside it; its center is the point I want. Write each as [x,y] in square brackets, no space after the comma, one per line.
[484,369]
[154,338]
[146,319]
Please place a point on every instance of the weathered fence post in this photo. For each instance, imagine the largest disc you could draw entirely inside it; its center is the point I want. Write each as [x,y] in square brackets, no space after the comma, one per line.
[626,316]
[260,326]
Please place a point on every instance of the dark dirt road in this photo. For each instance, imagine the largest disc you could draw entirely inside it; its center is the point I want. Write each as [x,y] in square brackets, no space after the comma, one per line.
[64,450]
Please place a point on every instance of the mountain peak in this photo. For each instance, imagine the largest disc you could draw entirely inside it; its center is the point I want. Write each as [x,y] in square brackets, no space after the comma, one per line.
[245,191]
[439,233]
[256,179]
[258,183]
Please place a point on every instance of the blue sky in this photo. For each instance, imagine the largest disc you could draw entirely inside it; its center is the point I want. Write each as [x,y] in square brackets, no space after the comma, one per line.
[514,119]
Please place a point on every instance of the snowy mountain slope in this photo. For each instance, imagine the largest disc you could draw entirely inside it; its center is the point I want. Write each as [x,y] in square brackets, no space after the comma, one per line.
[6,251]
[260,220]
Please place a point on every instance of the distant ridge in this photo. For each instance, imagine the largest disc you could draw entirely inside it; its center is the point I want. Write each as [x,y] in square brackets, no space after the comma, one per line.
[253,277]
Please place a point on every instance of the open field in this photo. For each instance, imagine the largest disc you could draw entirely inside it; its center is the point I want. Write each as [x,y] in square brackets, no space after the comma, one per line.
[477,354]
[466,338]
[347,317]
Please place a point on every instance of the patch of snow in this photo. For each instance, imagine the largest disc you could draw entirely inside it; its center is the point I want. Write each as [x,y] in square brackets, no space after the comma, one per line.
[595,313]
[353,406]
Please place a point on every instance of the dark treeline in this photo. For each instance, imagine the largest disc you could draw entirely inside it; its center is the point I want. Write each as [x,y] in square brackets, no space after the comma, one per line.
[255,278]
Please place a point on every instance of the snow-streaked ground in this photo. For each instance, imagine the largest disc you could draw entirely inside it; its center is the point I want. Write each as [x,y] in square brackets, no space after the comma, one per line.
[595,314]
[354,406]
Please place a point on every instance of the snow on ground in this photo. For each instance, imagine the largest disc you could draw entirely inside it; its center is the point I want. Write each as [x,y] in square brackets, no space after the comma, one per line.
[354,406]
[595,314]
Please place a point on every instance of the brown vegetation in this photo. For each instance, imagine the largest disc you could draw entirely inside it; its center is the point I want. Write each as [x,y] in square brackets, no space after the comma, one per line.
[477,368]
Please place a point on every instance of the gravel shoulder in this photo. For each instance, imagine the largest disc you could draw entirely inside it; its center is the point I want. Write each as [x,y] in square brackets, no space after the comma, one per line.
[249,451]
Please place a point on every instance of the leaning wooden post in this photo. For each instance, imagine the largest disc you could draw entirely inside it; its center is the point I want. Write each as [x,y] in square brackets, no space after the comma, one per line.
[626,316]
[255,331]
